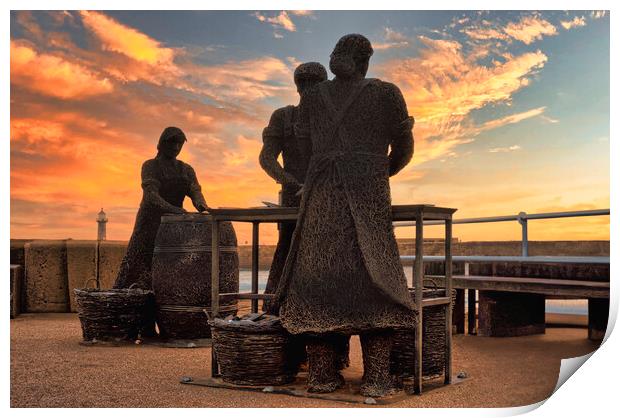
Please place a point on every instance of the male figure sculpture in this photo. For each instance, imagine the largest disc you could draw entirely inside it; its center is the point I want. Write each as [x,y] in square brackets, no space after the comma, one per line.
[165,183]
[279,138]
[343,274]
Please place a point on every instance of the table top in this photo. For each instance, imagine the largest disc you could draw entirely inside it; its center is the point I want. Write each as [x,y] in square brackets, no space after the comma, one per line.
[278,214]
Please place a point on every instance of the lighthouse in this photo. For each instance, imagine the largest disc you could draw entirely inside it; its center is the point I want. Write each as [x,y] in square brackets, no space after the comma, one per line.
[102,219]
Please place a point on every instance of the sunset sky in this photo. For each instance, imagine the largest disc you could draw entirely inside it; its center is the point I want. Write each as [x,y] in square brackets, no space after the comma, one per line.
[511,109]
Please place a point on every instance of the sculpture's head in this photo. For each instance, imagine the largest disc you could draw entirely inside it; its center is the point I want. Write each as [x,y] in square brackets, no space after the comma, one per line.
[350,56]
[170,142]
[307,75]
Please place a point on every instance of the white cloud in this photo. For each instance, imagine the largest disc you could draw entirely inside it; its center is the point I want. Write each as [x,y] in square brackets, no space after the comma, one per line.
[576,22]
[282,20]
[598,14]
[505,149]
[391,39]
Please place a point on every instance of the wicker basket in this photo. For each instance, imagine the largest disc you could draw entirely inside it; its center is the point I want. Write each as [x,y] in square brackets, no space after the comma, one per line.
[433,341]
[114,314]
[254,350]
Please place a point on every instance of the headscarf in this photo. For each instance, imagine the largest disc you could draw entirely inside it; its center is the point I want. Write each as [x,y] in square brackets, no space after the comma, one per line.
[169,133]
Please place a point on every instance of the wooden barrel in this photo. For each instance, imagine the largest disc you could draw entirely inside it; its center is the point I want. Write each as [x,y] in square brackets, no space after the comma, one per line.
[182,274]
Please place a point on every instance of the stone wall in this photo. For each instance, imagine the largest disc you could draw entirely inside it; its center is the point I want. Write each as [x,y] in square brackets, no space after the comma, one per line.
[45,276]
[53,268]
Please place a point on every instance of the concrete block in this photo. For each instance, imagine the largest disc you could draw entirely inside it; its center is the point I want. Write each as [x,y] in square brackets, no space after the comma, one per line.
[111,254]
[46,276]
[598,314]
[17,278]
[81,267]
[17,250]
[510,314]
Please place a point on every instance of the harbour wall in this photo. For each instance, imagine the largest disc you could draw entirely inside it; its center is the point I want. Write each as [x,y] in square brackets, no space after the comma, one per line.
[51,269]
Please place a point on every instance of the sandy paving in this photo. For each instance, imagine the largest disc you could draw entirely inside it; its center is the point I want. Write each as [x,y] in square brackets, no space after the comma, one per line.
[50,369]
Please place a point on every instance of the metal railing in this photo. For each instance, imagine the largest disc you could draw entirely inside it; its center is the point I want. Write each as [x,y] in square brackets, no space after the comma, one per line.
[522,218]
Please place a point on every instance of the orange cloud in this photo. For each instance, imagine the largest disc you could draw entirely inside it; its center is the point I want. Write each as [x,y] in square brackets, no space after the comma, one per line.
[54,76]
[576,22]
[117,37]
[527,30]
[530,29]
[301,12]
[248,80]
[480,34]
[444,85]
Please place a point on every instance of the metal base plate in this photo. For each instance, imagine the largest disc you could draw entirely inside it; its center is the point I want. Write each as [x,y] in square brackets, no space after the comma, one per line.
[189,343]
[349,393]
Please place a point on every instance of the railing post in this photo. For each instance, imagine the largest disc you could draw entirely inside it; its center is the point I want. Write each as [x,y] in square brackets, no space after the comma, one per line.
[524,242]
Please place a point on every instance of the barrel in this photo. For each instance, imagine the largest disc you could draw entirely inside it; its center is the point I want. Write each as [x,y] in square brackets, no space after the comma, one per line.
[182,274]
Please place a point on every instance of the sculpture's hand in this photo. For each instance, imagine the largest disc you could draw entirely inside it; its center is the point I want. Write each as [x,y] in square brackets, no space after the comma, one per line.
[176,210]
[272,307]
[201,207]
[301,190]
[289,180]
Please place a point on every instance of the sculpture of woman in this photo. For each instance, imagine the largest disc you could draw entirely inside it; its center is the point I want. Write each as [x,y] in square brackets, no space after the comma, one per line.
[343,274]
[165,183]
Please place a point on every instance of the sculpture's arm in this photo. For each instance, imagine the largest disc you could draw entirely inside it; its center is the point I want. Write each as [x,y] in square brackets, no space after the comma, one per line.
[272,147]
[401,147]
[401,144]
[268,159]
[150,191]
[195,191]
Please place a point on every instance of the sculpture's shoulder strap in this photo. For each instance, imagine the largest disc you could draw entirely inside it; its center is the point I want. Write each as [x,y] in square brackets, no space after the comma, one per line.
[337,115]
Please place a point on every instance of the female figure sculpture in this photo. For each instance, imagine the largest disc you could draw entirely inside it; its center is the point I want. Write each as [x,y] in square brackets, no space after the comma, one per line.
[165,183]
[343,274]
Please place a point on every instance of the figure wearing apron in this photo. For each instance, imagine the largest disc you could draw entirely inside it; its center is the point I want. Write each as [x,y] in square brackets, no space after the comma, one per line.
[343,274]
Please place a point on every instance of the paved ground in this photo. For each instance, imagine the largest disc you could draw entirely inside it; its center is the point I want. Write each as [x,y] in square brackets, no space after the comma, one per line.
[50,369]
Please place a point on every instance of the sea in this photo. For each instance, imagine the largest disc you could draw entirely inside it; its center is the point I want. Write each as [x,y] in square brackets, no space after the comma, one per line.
[556,306]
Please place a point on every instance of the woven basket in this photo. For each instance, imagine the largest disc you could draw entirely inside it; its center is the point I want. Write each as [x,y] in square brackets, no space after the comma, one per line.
[433,341]
[114,314]
[254,350]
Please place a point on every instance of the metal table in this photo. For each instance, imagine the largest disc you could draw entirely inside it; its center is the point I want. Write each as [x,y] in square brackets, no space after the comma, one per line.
[417,213]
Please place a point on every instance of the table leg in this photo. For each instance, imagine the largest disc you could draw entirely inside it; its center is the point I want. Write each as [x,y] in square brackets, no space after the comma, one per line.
[458,311]
[255,265]
[471,311]
[215,286]
[448,269]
